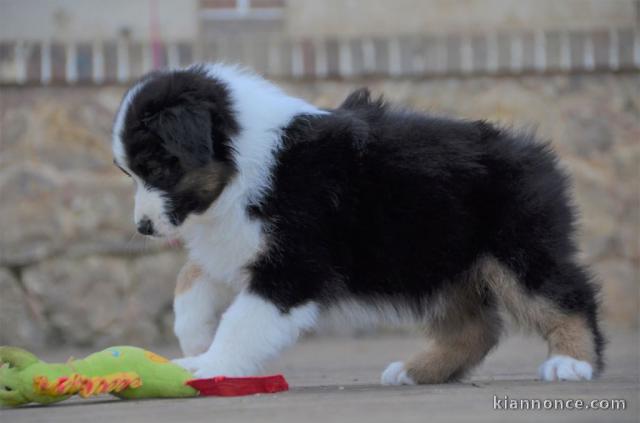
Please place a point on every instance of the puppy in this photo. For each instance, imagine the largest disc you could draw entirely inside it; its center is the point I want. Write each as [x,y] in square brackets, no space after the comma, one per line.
[367,212]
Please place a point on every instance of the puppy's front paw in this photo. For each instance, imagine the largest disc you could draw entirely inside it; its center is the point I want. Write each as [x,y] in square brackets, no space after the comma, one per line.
[194,339]
[563,367]
[206,366]
[190,363]
[396,374]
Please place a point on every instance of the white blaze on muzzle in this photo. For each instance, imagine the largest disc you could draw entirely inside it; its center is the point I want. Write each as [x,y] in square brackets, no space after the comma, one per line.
[150,203]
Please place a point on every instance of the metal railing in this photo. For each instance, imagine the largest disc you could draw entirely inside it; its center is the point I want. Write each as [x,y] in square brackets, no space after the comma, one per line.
[120,61]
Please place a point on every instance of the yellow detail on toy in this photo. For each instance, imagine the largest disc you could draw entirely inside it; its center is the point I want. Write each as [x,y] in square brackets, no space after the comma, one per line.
[155,357]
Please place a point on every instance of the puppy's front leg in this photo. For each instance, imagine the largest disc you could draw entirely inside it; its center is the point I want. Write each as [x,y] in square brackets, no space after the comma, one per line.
[198,304]
[251,331]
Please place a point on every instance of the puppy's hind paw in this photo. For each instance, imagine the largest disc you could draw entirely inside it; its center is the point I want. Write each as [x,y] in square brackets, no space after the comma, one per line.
[563,367]
[395,374]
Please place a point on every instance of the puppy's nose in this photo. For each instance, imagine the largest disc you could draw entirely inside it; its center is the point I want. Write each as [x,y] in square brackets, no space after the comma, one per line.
[145,226]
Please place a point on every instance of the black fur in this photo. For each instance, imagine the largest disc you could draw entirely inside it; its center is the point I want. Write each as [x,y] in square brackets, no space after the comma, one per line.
[370,201]
[375,202]
[181,123]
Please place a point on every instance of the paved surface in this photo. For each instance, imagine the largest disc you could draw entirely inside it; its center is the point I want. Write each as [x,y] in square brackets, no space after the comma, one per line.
[336,379]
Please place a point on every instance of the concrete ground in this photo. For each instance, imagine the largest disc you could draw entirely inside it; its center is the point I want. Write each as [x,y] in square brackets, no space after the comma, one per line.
[336,379]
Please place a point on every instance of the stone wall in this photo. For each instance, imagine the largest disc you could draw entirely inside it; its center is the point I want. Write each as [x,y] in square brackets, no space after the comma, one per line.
[72,271]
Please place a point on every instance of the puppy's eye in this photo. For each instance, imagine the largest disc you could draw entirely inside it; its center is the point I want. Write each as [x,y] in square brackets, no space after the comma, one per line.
[119,167]
[125,172]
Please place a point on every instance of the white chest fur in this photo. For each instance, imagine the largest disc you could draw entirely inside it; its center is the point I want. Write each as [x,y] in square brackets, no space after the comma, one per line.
[224,239]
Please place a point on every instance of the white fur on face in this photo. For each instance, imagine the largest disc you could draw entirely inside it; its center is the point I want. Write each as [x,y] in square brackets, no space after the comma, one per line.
[251,331]
[150,203]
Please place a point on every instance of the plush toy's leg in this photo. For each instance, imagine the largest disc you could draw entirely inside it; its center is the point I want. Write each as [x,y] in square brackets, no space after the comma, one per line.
[12,362]
[198,304]
[251,331]
[17,357]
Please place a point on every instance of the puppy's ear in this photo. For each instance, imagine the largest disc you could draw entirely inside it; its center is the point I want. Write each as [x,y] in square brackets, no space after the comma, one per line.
[185,131]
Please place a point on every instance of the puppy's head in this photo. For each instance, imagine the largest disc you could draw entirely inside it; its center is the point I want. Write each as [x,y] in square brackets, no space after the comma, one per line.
[172,137]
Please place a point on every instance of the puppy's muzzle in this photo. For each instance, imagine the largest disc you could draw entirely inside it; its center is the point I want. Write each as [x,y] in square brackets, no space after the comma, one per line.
[145,226]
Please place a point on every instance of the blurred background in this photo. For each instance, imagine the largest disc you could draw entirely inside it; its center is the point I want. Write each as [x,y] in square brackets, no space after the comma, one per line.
[72,271]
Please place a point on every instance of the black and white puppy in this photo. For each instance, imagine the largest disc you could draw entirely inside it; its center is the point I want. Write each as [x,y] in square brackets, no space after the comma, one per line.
[366,212]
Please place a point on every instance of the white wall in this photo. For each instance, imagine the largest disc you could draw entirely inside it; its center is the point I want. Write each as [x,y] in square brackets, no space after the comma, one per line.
[90,19]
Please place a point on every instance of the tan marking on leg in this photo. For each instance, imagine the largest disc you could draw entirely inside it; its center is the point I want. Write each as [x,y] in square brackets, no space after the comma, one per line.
[453,353]
[528,311]
[464,327]
[187,276]
[567,334]
[572,337]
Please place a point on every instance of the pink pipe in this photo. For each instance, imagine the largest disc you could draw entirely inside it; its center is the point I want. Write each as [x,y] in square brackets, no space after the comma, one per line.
[156,42]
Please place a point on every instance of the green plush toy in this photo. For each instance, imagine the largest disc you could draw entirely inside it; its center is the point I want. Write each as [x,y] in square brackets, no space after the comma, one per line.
[125,372]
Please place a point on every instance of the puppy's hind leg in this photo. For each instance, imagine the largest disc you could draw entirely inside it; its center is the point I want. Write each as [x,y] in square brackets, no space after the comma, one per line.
[570,326]
[198,304]
[563,311]
[460,340]
[572,353]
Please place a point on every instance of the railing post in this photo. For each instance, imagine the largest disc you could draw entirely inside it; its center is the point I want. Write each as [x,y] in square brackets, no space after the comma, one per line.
[274,58]
[21,51]
[97,57]
[636,48]
[368,56]
[589,61]
[147,57]
[297,60]
[122,55]
[395,58]
[322,66]
[565,51]
[173,57]
[345,58]
[540,51]
[45,62]
[71,63]
[492,52]
[614,52]
[516,51]
[466,55]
